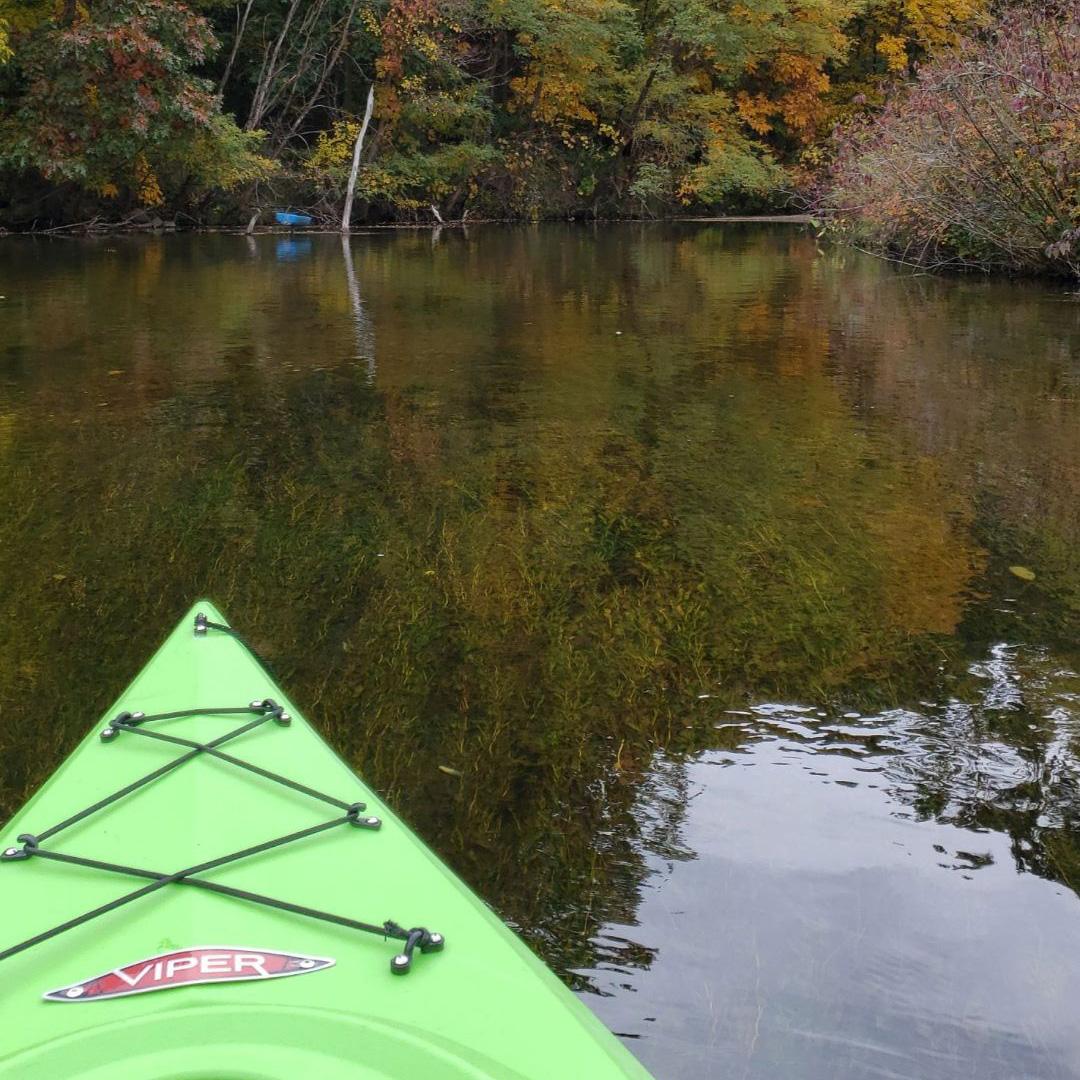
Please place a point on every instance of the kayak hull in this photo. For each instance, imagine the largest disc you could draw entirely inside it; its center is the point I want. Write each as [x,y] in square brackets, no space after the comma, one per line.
[482,1007]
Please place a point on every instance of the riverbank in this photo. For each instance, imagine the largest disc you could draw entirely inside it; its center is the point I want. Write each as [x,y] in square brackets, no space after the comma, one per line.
[98,227]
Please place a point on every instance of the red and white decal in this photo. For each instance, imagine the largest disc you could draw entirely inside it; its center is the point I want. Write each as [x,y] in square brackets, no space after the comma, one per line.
[188,967]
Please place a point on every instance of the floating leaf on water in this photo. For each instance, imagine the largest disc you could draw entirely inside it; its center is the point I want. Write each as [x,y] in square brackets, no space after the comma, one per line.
[1022,572]
[449,771]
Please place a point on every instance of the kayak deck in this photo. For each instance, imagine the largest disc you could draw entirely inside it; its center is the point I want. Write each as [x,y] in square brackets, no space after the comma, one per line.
[296,857]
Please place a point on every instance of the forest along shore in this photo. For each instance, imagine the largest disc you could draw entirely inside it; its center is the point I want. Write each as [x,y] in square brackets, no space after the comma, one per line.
[866,113]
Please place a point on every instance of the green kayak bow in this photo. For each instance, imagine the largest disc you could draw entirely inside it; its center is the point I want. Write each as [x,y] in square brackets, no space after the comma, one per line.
[203,889]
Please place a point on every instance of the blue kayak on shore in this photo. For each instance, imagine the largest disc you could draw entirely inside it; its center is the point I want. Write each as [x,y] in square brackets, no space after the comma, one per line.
[283,217]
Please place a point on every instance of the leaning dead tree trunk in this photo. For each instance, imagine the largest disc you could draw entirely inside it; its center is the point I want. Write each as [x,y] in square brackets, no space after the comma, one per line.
[346,213]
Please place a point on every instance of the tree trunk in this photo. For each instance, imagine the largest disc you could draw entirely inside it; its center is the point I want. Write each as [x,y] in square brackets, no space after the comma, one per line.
[241,24]
[630,123]
[329,65]
[346,213]
[269,72]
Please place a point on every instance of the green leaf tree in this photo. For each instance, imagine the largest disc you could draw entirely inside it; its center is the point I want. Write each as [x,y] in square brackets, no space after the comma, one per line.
[106,99]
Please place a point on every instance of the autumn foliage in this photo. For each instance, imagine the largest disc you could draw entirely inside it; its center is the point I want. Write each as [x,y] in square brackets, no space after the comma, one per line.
[976,164]
[105,100]
[505,108]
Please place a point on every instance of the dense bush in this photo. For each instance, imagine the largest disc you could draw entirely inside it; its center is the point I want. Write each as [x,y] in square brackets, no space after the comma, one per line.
[975,164]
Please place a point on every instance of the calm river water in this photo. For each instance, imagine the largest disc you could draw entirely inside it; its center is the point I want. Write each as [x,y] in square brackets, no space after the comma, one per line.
[734,584]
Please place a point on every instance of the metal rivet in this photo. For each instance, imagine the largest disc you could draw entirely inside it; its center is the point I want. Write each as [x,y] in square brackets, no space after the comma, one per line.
[108,733]
[373,821]
[436,939]
[307,963]
[11,852]
[137,715]
[400,960]
[256,704]
[74,992]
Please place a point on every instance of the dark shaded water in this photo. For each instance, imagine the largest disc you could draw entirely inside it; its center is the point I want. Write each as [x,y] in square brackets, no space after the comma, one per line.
[688,548]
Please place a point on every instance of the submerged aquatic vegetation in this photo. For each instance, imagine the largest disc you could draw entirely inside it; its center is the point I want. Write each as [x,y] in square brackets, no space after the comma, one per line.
[475,530]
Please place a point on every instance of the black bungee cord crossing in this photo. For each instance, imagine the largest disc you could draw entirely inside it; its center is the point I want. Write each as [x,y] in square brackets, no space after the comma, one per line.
[134,723]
